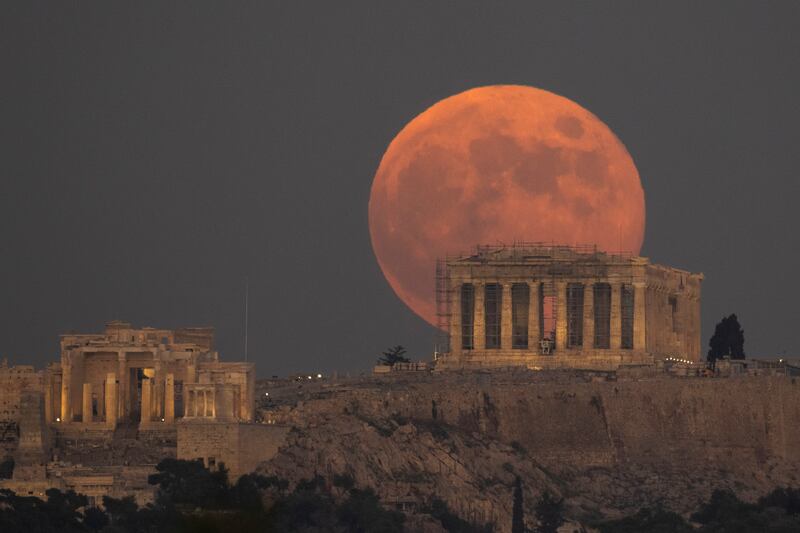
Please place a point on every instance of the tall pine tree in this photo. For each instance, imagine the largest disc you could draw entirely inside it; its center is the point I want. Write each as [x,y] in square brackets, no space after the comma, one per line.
[517,514]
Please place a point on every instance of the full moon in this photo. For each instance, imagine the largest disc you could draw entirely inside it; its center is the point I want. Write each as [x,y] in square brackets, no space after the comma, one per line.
[499,164]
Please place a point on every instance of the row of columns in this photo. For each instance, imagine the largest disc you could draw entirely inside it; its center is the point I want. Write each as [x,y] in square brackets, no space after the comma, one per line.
[150,403]
[201,402]
[534,335]
[211,400]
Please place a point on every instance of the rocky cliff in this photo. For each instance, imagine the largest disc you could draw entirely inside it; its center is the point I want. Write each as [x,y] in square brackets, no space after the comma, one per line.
[608,446]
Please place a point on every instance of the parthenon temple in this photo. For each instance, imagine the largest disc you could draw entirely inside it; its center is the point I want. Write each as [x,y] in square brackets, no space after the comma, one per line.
[549,306]
[148,376]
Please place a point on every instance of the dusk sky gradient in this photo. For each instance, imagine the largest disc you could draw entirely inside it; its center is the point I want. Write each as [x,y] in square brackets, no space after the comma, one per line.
[155,156]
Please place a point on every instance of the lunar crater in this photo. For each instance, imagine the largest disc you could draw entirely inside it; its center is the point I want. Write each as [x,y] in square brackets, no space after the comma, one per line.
[499,164]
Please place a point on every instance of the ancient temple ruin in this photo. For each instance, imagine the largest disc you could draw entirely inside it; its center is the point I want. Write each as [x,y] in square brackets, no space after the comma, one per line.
[149,377]
[118,402]
[547,306]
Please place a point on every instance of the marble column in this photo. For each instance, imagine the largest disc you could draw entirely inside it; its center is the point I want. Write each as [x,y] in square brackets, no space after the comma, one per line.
[191,373]
[616,316]
[639,317]
[169,399]
[588,316]
[561,316]
[455,319]
[158,387]
[122,390]
[479,331]
[48,398]
[534,335]
[86,412]
[505,317]
[111,400]
[188,403]
[66,391]
[147,400]
[226,401]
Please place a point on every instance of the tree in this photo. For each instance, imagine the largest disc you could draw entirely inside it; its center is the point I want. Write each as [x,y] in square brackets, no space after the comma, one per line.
[728,340]
[121,511]
[652,520]
[549,513]
[451,522]
[394,355]
[62,508]
[191,483]
[95,518]
[362,512]
[517,514]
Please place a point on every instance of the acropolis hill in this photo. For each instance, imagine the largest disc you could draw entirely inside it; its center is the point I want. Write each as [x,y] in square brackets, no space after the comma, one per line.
[575,370]
[608,441]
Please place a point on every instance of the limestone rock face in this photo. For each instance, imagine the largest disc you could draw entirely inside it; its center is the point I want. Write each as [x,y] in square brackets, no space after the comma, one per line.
[413,462]
[607,447]
[34,439]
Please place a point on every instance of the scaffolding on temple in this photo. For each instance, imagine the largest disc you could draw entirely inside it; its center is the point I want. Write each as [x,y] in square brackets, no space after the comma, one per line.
[444,298]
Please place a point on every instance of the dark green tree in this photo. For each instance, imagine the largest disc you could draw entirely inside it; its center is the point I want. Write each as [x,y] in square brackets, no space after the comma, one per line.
[549,513]
[647,519]
[190,483]
[787,499]
[122,512]
[362,512]
[29,514]
[95,518]
[728,340]
[517,513]
[62,507]
[393,355]
[308,508]
[451,522]
[343,481]
[246,493]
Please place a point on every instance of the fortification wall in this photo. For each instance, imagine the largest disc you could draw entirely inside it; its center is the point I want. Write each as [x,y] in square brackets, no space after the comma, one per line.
[735,423]
[258,443]
[242,447]
[13,381]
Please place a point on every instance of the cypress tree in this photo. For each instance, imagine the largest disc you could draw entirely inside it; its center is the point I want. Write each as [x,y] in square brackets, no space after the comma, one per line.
[518,515]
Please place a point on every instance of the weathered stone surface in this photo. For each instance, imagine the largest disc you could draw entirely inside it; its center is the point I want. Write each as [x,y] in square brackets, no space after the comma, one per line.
[659,318]
[609,447]
[241,447]
[148,366]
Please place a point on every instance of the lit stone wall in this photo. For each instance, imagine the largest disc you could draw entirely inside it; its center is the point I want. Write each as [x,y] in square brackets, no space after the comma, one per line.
[14,380]
[142,374]
[241,447]
[653,311]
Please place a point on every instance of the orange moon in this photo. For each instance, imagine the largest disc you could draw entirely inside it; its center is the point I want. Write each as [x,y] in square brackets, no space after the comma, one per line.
[499,164]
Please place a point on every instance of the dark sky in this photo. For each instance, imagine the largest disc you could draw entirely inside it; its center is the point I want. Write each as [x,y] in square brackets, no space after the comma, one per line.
[153,157]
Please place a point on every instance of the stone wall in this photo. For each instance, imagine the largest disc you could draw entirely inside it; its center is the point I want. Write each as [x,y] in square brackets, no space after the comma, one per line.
[13,382]
[733,422]
[609,446]
[241,447]
[673,313]
[258,443]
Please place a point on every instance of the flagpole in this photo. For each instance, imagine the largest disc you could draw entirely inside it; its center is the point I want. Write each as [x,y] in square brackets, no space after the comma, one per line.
[246,305]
